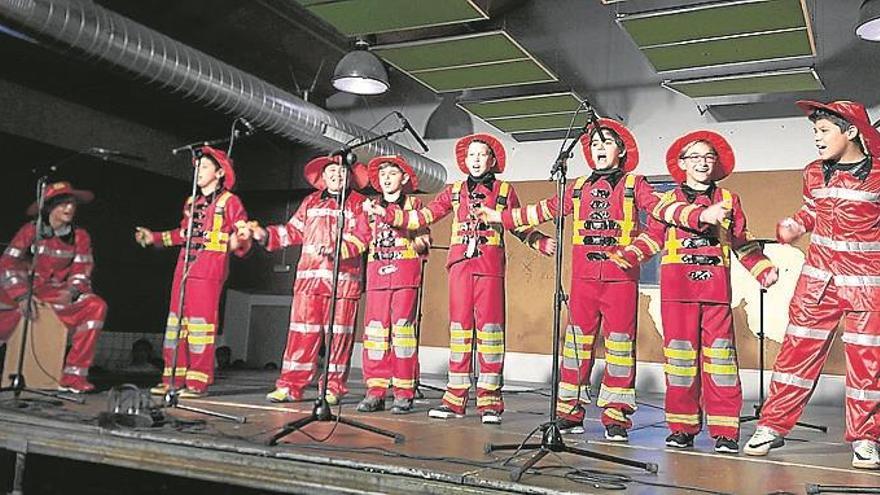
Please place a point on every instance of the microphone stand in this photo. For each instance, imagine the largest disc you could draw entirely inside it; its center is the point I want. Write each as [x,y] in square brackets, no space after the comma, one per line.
[171,399]
[761,338]
[321,411]
[551,438]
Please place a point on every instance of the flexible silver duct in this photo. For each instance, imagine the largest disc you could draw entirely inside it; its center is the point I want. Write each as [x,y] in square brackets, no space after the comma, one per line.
[96,33]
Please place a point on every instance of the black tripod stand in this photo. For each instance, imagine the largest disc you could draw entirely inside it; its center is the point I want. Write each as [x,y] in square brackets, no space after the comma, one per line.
[761,338]
[171,399]
[419,385]
[321,411]
[551,436]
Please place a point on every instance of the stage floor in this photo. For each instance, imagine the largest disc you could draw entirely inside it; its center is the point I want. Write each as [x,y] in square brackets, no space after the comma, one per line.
[437,456]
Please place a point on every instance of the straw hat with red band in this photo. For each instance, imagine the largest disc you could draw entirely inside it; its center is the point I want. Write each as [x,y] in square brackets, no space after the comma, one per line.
[855,114]
[461,150]
[373,169]
[58,189]
[724,165]
[314,172]
[629,143]
[221,159]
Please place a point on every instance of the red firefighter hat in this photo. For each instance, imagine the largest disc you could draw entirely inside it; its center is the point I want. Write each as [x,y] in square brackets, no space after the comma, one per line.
[315,168]
[723,167]
[461,147]
[373,171]
[220,158]
[855,113]
[629,143]
[57,189]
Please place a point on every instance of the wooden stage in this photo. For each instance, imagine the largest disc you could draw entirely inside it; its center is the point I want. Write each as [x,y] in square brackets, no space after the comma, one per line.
[436,457]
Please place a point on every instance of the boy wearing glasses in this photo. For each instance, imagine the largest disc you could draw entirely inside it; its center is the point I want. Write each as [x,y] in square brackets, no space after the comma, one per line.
[476,266]
[699,224]
[605,205]
[840,280]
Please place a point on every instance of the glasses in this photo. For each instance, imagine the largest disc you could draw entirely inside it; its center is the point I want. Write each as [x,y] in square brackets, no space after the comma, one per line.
[710,159]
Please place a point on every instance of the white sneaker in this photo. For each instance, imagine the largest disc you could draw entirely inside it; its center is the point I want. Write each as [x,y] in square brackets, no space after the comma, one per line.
[443,412]
[865,455]
[491,418]
[762,441]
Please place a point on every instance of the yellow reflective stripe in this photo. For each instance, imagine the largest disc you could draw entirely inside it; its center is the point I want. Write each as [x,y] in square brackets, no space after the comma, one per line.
[404,330]
[719,369]
[731,421]
[651,244]
[532,214]
[488,401]
[503,191]
[581,354]
[545,208]
[354,240]
[452,399]
[200,340]
[568,386]
[180,371]
[460,347]
[760,267]
[375,346]
[456,200]
[577,238]
[490,349]
[199,327]
[672,369]
[619,390]
[672,245]
[727,199]
[197,376]
[489,335]
[460,333]
[405,342]
[412,220]
[679,353]
[571,337]
[166,239]
[398,217]
[375,331]
[687,419]
[401,383]
[628,223]
[614,345]
[172,334]
[378,382]
[614,414]
[620,360]
[718,352]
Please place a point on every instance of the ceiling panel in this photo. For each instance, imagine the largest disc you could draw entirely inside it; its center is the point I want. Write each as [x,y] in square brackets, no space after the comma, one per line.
[529,114]
[475,61]
[783,81]
[359,17]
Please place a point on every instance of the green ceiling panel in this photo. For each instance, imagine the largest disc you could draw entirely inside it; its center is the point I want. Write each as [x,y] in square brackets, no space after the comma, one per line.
[730,51]
[726,19]
[451,52]
[484,76]
[762,83]
[357,17]
[537,122]
[528,105]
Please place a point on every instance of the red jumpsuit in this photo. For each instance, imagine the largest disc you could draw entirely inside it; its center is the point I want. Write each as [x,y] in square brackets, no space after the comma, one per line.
[62,279]
[394,275]
[476,266]
[314,226]
[216,216]
[840,279]
[606,218]
[698,335]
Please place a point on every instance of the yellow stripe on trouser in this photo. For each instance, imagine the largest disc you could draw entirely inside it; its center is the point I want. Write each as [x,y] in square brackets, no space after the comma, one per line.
[452,399]
[614,414]
[197,376]
[680,370]
[377,383]
[687,419]
[731,421]
[180,371]
[401,383]
[720,369]
[680,353]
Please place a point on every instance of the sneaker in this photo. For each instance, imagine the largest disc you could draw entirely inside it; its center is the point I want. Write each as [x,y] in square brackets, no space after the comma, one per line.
[491,417]
[616,433]
[443,412]
[371,403]
[191,393]
[402,406]
[570,426]
[282,394]
[724,445]
[680,440]
[160,389]
[865,455]
[75,385]
[762,441]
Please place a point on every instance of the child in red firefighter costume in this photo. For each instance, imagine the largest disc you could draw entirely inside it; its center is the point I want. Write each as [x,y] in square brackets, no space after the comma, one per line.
[698,337]
[840,280]
[394,275]
[606,207]
[314,227]
[476,266]
[62,279]
[219,228]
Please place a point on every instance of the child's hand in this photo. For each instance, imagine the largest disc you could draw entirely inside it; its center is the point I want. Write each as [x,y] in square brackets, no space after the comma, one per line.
[488,215]
[547,246]
[143,236]
[770,277]
[243,230]
[258,233]
[715,214]
[623,258]
[789,230]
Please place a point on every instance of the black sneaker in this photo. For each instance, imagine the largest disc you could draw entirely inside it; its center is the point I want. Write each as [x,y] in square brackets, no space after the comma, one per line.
[570,427]
[616,433]
[680,440]
[724,445]
[402,406]
[371,403]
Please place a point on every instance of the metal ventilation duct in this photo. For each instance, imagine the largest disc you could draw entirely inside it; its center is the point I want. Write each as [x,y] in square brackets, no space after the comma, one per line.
[96,33]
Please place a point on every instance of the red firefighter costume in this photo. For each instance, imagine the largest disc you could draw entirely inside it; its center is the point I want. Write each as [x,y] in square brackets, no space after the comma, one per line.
[698,337]
[217,217]
[476,266]
[394,275]
[606,217]
[840,279]
[314,227]
[62,279]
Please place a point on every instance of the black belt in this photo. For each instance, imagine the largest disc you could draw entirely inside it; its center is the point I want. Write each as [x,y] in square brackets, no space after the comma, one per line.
[698,242]
[599,240]
[700,259]
[594,256]
[600,224]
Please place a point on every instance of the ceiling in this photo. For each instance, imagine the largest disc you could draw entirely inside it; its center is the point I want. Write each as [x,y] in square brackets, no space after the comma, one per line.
[523,67]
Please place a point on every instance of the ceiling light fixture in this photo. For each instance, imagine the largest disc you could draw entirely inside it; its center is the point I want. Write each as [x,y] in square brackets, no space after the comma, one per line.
[360,72]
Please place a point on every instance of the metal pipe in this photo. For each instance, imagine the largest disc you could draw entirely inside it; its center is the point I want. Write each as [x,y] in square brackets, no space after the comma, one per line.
[95,33]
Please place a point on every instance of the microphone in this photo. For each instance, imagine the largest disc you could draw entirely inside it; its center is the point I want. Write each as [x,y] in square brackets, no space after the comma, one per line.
[105,154]
[409,128]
